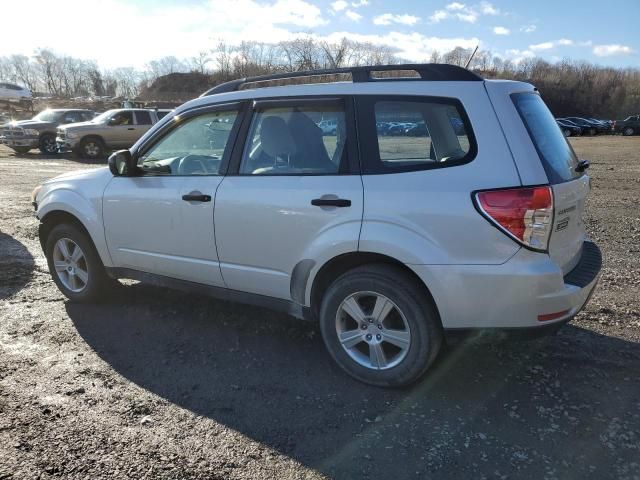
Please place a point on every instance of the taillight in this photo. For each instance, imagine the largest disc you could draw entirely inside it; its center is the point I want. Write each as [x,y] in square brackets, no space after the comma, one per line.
[525,214]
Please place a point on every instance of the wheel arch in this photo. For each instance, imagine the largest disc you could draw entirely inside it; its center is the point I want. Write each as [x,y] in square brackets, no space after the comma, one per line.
[341,264]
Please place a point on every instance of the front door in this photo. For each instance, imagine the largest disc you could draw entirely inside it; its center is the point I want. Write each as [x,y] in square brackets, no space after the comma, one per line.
[294,195]
[161,221]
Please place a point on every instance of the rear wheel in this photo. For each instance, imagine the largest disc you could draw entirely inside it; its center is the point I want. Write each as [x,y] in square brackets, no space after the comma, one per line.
[628,131]
[91,148]
[379,326]
[21,150]
[75,265]
[48,144]
[566,132]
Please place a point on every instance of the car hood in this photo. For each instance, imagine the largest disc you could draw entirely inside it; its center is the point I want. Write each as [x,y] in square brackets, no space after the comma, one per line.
[37,124]
[79,125]
[96,175]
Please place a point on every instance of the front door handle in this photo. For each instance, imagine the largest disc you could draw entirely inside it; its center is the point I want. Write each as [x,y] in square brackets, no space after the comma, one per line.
[130,128]
[330,202]
[196,197]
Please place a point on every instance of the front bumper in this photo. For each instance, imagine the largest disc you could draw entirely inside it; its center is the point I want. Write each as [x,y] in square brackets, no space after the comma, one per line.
[25,141]
[66,144]
[514,295]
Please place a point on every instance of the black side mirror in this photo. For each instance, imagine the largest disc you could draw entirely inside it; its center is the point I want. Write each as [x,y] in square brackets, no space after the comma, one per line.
[122,164]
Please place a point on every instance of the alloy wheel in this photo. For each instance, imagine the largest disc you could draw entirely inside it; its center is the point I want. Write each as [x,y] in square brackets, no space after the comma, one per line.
[70,264]
[372,330]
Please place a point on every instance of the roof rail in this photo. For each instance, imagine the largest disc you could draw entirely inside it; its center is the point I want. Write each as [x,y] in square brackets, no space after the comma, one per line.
[360,74]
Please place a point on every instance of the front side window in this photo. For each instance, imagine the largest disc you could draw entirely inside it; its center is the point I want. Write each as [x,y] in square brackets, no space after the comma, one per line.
[296,140]
[195,147]
[121,118]
[414,134]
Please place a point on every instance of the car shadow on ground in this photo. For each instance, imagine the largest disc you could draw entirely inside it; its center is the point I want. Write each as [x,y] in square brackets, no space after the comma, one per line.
[269,377]
[67,157]
[16,265]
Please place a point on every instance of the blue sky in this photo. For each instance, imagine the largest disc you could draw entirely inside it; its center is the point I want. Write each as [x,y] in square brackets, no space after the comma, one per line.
[132,33]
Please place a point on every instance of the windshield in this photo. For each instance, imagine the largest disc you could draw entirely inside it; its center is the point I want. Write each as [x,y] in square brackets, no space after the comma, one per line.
[557,156]
[47,116]
[103,116]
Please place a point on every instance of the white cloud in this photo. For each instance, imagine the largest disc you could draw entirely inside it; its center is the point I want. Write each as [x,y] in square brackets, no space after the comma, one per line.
[488,9]
[361,3]
[518,56]
[611,50]
[455,6]
[501,31]
[528,28]
[470,16]
[438,16]
[541,46]
[339,5]
[355,16]
[389,18]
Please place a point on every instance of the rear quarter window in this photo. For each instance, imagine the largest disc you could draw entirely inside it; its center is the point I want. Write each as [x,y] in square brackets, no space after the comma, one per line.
[556,154]
[401,134]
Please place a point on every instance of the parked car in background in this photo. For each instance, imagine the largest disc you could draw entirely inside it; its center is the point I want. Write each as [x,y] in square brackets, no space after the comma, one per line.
[118,128]
[569,129]
[12,93]
[40,131]
[589,127]
[628,126]
[387,242]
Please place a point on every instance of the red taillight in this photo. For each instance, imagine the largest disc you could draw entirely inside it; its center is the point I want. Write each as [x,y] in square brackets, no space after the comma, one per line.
[552,316]
[526,213]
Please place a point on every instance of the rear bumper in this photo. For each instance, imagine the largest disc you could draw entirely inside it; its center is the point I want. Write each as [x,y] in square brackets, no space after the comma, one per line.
[513,296]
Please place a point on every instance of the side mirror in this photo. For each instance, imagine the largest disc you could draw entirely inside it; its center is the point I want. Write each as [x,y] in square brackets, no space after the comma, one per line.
[122,164]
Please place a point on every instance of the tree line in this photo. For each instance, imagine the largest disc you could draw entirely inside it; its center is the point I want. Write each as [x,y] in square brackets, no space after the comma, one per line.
[569,87]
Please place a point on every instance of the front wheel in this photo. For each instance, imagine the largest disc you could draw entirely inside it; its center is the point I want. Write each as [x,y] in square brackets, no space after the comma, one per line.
[92,148]
[566,132]
[628,131]
[379,326]
[48,144]
[75,265]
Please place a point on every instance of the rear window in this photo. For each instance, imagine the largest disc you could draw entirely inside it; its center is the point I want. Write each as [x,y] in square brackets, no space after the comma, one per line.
[558,158]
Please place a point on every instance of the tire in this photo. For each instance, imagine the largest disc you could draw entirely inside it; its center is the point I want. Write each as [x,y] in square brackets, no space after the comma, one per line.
[411,318]
[21,150]
[91,148]
[628,131]
[566,132]
[83,289]
[48,144]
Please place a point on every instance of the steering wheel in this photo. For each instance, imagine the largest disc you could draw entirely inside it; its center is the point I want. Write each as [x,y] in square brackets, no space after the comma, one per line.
[194,164]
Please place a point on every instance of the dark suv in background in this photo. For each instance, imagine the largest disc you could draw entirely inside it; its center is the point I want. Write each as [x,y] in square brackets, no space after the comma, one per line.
[40,131]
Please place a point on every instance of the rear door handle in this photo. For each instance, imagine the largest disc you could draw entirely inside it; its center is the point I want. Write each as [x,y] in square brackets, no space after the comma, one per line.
[130,128]
[330,202]
[191,197]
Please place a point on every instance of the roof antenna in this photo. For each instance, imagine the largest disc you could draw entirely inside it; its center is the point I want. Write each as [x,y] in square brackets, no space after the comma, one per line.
[466,65]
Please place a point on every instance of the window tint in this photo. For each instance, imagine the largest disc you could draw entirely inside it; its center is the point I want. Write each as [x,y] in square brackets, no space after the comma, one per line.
[72,117]
[86,116]
[557,156]
[122,118]
[415,134]
[143,118]
[196,147]
[303,140]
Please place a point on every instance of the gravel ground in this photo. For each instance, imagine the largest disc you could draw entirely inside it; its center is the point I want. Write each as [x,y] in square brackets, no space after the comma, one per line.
[156,384]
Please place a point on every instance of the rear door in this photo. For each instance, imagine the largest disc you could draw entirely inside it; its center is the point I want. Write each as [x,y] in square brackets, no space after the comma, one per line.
[570,185]
[293,195]
[143,123]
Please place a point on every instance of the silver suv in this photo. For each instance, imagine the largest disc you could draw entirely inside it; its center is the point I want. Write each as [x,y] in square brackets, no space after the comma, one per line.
[440,202]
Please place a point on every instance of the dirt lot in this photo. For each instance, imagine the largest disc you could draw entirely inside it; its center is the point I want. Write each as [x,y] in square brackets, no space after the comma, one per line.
[157,384]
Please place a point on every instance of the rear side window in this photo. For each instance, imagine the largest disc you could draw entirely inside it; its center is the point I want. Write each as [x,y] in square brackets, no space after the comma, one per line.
[296,140]
[143,118]
[557,157]
[414,134]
